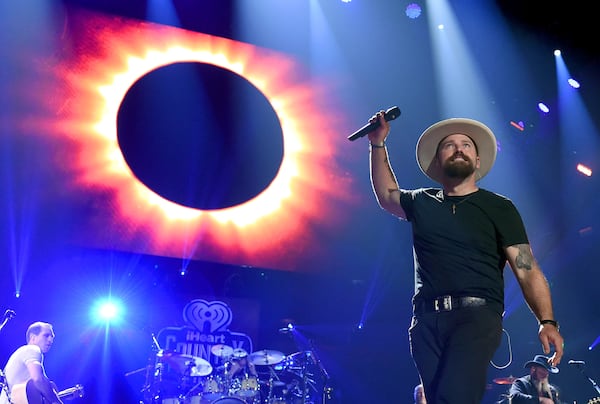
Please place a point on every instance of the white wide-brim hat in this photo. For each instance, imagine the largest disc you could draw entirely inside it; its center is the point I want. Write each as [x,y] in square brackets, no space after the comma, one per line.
[482,136]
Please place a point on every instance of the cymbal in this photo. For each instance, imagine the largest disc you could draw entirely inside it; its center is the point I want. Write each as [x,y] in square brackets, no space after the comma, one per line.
[181,363]
[239,353]
[504,380]
[221,350]
[266,357]
[201,367]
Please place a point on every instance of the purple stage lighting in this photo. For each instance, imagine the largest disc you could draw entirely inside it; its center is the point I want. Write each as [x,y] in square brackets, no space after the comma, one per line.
[413,11]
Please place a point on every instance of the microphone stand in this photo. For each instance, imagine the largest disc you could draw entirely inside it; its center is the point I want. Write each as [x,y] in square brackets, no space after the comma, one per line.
[154,373]
[8,314]
[327,389]
[594,384]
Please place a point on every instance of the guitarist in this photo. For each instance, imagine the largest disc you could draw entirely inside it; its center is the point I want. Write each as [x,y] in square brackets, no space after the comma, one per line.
[27,364]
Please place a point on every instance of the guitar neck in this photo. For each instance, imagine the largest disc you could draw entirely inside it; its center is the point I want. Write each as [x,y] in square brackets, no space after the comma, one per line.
[75,391]
[66,392]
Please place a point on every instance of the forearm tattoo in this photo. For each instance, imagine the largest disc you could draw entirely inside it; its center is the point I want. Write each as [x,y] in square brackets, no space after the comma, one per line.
[524,259]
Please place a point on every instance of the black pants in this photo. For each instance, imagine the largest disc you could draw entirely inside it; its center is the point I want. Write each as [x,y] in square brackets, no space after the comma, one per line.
[452,351]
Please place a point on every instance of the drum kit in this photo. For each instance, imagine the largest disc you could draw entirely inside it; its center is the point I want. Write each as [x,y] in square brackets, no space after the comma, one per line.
[265,376]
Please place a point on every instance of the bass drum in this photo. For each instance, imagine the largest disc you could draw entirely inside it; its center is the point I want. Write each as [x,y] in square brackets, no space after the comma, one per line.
[229,400]
[171,400]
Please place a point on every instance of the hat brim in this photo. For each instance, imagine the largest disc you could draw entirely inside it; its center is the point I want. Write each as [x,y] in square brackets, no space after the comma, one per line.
[430,139]
[550,369]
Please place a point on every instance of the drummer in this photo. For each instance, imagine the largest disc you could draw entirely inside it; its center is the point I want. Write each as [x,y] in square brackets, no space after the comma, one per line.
[240,365]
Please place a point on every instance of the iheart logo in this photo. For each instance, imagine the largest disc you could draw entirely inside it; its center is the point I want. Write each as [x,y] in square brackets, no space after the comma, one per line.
[206,316]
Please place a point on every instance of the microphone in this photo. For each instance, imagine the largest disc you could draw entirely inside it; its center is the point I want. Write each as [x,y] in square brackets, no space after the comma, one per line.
[572,362]
[8,314]
[389,115]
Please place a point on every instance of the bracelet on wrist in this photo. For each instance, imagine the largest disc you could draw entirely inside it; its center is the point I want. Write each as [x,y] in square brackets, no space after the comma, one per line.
[551,322]
[376,146]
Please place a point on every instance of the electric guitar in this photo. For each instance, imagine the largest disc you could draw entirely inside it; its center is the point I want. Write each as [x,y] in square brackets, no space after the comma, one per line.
[27,393]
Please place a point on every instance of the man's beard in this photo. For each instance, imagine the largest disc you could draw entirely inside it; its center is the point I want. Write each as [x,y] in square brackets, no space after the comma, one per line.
[542,387]
[458,169]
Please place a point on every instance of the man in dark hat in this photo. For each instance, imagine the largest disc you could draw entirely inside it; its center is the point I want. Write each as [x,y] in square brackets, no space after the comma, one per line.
[463,236]
[535,387]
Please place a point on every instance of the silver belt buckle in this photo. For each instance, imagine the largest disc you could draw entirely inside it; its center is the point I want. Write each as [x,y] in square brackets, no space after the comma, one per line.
[446,302]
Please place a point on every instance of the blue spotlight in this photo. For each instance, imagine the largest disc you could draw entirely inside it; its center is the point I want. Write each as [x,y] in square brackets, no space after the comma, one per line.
[594,344]
[288,328]
[557,53]
[413,11]
[107,311]
[573,83]
[543,107]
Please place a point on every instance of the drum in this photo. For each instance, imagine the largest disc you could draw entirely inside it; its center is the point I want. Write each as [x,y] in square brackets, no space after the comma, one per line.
[247,386]
[213,388]
[229,400]
[198,399]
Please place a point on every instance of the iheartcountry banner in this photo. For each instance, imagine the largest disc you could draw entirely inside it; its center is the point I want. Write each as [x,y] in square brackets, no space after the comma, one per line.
[210,323]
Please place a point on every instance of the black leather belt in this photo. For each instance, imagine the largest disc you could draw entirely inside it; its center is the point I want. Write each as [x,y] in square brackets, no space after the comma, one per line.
[447,303]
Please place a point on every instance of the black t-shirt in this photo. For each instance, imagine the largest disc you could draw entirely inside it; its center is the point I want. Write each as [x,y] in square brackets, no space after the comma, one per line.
[459,241]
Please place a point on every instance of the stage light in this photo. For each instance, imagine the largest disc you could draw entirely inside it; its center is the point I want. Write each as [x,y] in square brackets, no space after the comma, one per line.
[594,344]
[584,170]
[107,311]
[573,83]
[543,107]
[413,11]
[557,53]
[520,125]
[288,328]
